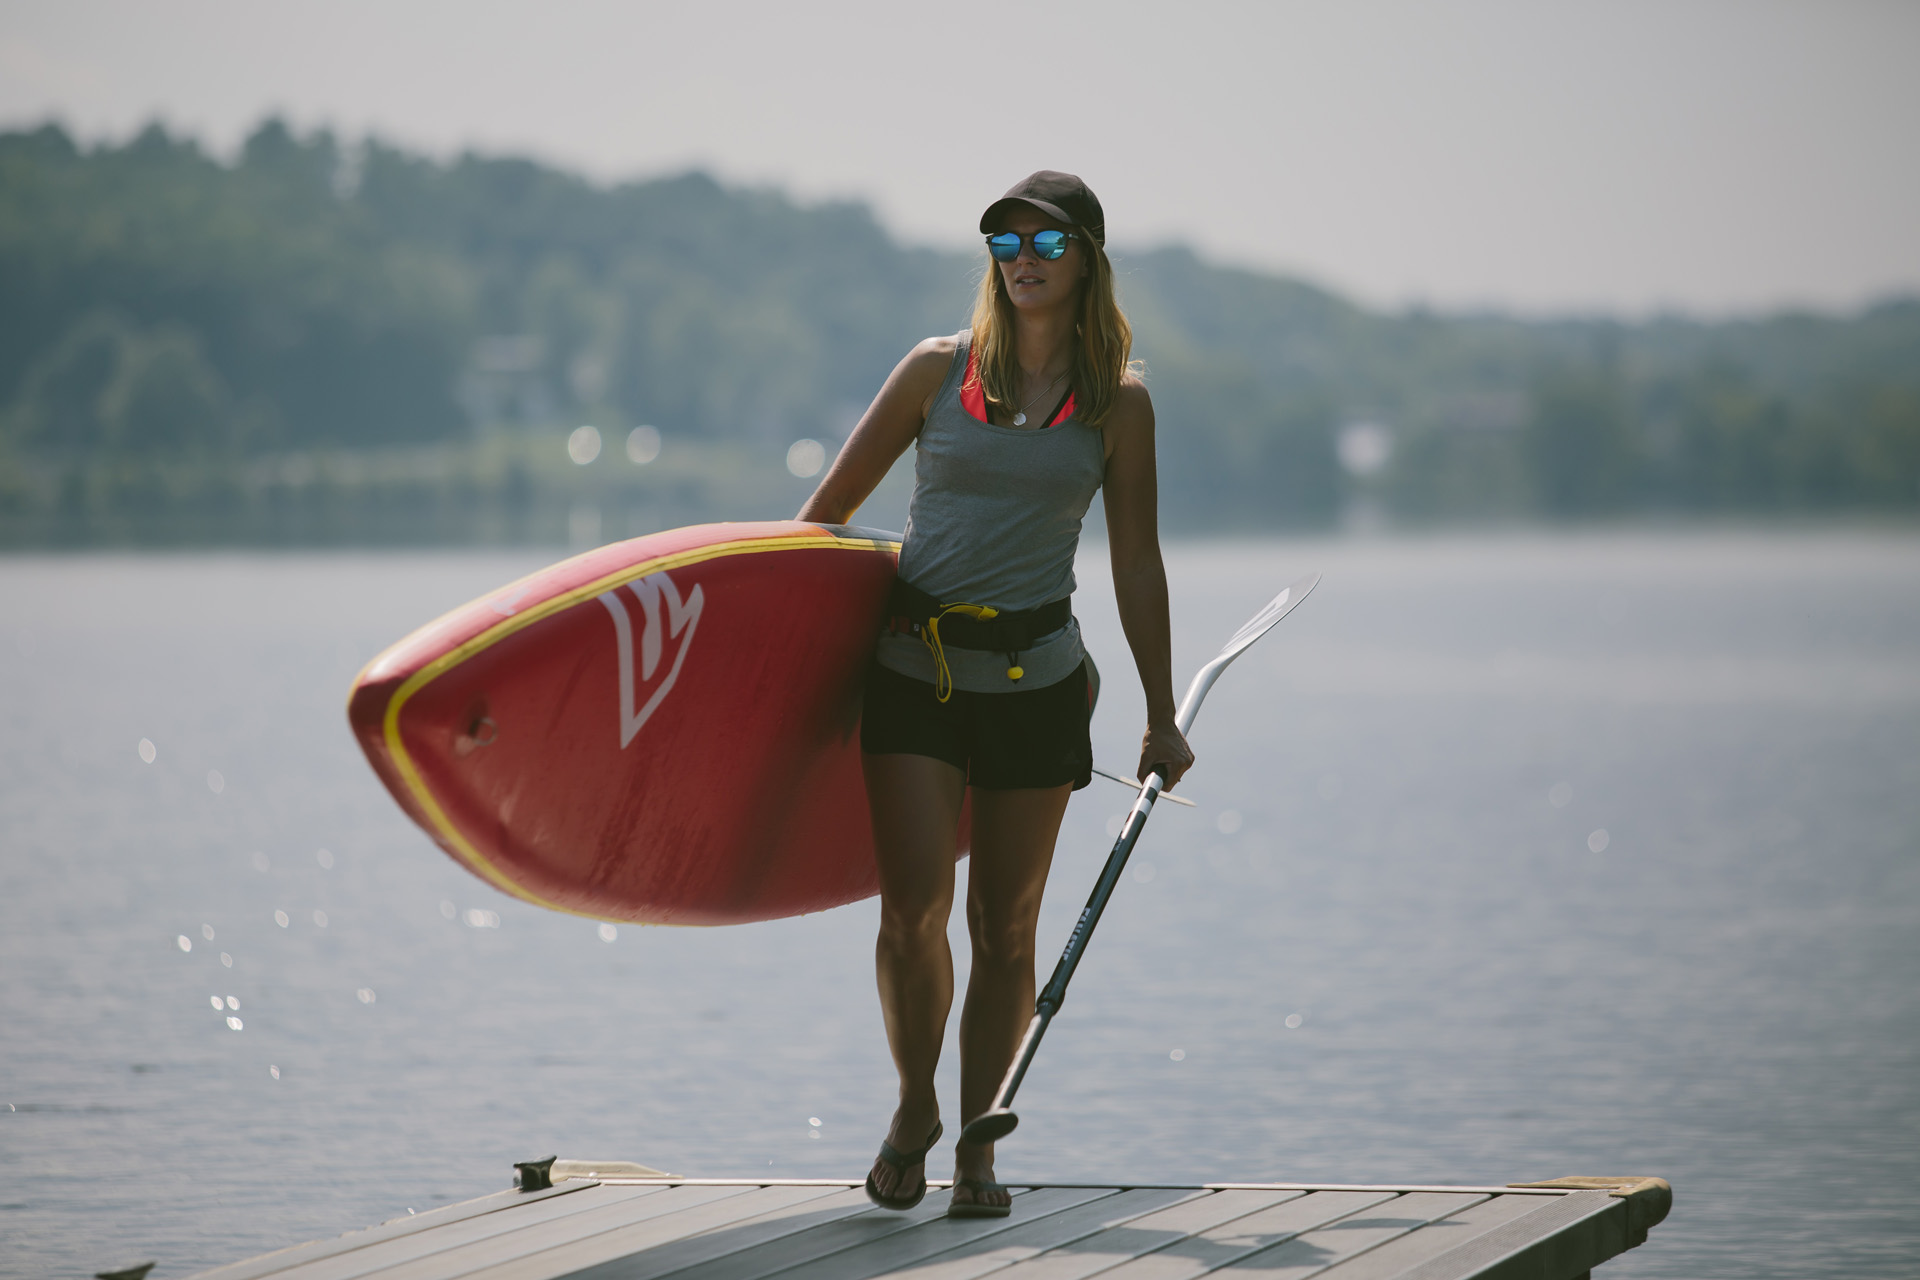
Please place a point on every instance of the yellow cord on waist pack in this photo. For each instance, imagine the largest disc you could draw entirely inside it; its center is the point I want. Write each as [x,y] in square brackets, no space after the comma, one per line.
[930,636]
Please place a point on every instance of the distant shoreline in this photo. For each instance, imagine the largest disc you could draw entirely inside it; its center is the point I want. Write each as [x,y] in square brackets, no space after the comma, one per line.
[322,344]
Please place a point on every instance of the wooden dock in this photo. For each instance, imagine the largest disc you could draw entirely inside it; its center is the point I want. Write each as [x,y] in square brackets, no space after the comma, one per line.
[613,1222]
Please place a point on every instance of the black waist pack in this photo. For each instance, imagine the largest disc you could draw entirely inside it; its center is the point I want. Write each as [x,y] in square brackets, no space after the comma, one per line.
[970,626]
[1007,631]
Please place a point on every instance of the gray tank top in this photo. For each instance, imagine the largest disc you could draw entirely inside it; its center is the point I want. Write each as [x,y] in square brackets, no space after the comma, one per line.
[995,520]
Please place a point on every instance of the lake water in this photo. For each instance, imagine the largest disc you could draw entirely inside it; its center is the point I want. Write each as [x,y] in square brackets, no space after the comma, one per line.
[1516,858]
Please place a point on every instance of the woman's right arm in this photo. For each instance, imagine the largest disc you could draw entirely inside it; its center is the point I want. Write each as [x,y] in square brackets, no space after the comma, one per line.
[885,430]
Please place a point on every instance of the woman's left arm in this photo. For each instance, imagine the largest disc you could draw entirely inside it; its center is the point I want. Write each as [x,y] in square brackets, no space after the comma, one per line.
[1131,493]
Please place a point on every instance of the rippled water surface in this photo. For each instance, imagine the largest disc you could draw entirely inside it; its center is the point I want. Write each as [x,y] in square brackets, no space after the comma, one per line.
[1515,858]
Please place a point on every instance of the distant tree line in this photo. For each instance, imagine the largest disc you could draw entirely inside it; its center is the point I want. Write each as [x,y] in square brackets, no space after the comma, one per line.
[192,349]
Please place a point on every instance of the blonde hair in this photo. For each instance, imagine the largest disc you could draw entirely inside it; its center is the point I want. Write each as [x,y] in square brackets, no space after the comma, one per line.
[1101,358]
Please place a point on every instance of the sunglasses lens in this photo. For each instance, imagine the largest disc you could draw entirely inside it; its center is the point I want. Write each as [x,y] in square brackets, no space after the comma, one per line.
[1004,247]
[1049,244]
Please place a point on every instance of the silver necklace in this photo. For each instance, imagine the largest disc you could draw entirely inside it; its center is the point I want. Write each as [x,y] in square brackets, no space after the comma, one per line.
[1020,415]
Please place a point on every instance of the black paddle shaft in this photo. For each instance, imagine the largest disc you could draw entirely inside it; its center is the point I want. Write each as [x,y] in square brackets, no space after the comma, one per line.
[999,1120]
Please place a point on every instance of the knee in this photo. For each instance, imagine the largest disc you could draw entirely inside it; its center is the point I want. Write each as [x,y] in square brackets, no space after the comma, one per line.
[1001,939]
[908,927]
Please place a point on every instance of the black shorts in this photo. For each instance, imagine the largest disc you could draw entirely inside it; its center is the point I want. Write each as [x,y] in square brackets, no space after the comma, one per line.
[1001,741]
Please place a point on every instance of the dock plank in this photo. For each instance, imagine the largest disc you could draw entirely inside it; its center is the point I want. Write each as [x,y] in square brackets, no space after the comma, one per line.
[267,1264]
[1219,1246]
[1117,1245]
[1394,1259]
[633,1241]
[1565,1237]
[1029,1239]
[680,1255]
[886,1257]
[1319,1250]
[375,1255]
[451,1251]
[827,1240]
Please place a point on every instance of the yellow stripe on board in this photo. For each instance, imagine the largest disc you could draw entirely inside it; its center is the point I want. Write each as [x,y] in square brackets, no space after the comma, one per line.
[508,626]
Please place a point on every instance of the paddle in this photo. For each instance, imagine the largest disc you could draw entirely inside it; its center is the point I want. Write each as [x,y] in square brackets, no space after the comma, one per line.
[999,1120]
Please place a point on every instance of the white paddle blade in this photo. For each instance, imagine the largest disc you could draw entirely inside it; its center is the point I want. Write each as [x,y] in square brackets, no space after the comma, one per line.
[1262,622]
[1258,625]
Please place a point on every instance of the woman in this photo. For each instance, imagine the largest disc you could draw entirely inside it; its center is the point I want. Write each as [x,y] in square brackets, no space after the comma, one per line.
[978,680]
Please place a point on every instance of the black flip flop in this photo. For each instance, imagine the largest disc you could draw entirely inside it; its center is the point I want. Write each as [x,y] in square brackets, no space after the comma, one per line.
[901,1160]
[975,1209]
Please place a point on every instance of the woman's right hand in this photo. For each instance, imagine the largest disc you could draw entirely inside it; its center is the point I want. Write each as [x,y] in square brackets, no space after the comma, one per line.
[1165,748]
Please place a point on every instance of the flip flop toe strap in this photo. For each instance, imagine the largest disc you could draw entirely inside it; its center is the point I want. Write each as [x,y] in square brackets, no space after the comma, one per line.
[901,1159]
[979,1186]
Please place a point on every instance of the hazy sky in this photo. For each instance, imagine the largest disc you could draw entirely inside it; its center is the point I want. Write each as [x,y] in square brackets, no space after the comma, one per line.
[1714,155]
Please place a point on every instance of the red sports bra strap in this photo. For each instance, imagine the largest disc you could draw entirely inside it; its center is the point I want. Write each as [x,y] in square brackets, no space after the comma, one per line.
[973,397]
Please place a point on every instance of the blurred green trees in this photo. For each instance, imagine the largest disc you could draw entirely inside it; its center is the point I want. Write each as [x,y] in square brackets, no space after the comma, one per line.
[324,341]
[1579,444]
[108,389]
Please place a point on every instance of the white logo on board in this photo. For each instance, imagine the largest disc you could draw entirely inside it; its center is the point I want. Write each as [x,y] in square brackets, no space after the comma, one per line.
[664,616]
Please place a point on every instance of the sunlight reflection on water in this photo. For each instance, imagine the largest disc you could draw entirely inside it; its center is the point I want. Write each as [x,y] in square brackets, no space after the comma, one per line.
[1400,965]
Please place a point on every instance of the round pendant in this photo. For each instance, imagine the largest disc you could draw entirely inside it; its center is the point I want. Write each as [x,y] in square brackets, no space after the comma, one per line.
[1019,419]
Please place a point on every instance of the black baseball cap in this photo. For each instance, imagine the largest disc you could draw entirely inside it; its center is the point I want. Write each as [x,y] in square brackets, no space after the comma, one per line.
[1061,196]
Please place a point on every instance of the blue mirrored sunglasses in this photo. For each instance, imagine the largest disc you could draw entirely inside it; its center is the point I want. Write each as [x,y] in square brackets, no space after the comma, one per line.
[1047,245]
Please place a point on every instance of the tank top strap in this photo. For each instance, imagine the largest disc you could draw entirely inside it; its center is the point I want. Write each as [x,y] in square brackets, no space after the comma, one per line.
[956,370]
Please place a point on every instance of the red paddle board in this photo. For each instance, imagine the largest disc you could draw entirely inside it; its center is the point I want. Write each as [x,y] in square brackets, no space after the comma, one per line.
[664,730]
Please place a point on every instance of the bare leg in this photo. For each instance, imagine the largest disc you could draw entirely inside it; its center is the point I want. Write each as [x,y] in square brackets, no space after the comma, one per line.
[915,803]
[1013,838]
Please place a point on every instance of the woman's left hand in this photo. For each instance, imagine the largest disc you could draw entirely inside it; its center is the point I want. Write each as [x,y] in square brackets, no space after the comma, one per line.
[1165,747]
